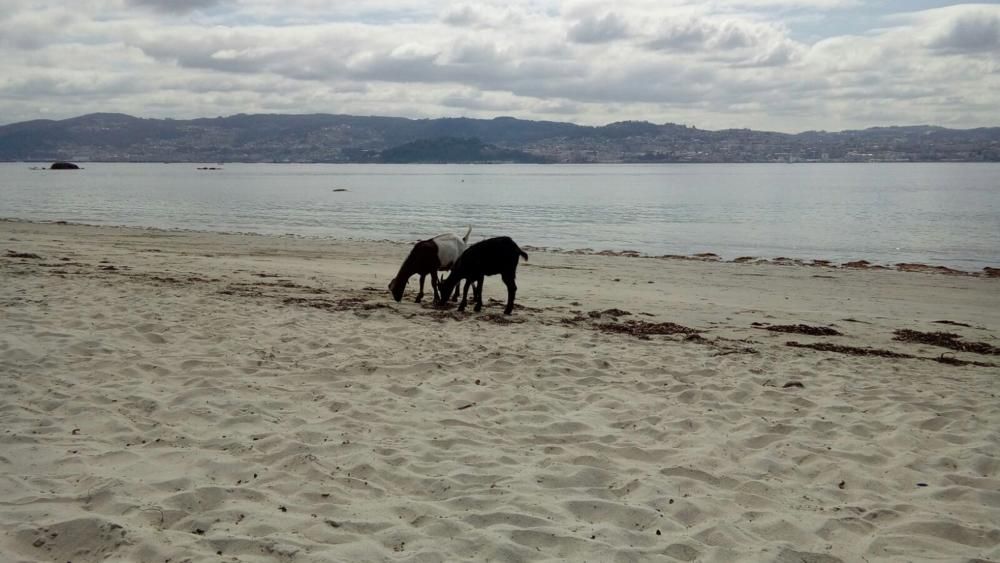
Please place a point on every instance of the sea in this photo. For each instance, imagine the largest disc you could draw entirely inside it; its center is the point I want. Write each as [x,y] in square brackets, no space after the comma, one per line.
[933,213]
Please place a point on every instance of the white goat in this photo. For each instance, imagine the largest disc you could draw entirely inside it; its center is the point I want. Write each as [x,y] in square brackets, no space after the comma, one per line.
[428,257]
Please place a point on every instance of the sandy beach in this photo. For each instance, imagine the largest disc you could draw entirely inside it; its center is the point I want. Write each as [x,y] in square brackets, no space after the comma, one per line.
[179,396]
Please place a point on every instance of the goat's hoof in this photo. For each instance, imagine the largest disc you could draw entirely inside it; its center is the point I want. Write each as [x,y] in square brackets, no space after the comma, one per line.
[507,311]
[477,308]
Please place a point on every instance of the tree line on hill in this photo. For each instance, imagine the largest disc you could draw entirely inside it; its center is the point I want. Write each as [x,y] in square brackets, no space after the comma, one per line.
[346,138]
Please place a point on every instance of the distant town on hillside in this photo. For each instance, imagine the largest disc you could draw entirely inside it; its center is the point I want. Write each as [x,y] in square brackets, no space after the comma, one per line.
[107,137]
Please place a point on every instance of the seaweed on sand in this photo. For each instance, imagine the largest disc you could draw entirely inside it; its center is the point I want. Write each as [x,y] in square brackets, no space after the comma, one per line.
[948,340]
[643,329]
[855,351]
[850,350]
[803,329]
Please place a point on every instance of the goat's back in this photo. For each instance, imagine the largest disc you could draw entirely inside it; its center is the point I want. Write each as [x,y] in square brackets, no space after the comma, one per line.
[449,248]
[491,256]
[423,257]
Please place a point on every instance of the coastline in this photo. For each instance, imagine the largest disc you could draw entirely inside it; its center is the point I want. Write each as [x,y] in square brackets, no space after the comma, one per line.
[707,256]
[178,394]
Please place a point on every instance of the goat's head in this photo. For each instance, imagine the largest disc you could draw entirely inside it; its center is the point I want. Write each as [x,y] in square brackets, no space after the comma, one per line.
[446,286]
[396,287]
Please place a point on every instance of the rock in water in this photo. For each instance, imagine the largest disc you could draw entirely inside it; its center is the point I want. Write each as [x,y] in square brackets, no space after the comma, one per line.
[63,166]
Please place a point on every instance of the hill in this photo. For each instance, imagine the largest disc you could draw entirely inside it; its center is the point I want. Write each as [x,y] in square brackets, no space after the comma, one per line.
[454,150]
[347,138]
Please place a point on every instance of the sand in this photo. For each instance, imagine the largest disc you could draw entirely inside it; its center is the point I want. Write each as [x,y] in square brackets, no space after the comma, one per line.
[177,396]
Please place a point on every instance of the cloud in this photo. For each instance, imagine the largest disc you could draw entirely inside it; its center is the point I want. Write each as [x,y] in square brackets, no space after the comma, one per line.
[483,15]
[175,6]
[712,63]
[974,32]
[598,30]
[760,42]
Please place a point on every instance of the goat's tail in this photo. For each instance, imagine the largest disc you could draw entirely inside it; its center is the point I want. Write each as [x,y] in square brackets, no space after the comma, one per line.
[519,251]
[467,233]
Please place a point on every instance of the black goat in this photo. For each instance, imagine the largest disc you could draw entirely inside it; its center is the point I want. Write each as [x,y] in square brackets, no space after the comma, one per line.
[498,255]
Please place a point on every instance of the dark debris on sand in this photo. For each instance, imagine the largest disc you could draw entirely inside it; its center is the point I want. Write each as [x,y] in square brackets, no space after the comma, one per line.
[615,313]
[801,329]
[29,255]
[916,267]
[850,350]
[455,315]
[948,340]
[643,329]
[491,302]
[952,323]
[855,351]
[446,314]
[499,319]
[953,361]
[345,304]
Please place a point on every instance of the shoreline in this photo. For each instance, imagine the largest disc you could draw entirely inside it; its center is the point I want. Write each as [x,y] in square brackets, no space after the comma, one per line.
[512,163]
[861,264]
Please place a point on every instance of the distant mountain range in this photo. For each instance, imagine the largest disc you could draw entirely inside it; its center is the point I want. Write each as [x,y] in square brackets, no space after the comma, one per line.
[345,138]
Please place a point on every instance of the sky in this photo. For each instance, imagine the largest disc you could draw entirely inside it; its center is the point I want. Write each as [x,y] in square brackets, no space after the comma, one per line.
[779,65]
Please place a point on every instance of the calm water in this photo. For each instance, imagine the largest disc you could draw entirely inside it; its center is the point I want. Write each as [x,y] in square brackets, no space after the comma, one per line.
[933,213]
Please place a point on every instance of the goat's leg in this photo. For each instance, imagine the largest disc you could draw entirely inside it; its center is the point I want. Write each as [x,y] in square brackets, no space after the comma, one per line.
[479,294]
[454,297]
[420,293]
[434,286]
[508,280]
[465,295]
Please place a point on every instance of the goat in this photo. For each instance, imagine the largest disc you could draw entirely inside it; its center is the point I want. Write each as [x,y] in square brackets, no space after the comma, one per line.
[427,257]
[498,255]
